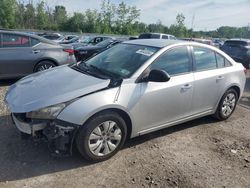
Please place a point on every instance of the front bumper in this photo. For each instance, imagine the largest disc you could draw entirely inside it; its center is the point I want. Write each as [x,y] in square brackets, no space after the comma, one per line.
[28,127]
[59,134]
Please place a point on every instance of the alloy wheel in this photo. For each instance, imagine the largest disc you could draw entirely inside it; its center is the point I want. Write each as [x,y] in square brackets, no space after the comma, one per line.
[105,138]
[228,104]
[45,66]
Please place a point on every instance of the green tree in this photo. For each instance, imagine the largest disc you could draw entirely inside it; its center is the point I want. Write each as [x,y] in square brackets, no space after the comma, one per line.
[42,18]
[20,11]
[29,16]
[60,16]
[75,23]
[7,13]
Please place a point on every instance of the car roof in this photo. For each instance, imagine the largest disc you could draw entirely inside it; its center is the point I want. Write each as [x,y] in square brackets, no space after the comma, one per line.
[29,35]
[160,43]
[244,40]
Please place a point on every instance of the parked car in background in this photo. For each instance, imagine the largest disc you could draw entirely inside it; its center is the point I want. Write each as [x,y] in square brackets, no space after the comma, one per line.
[131,89]
[70,41]
[239,50]
[217,42]
[53,36]
[85,52]
[133,38]
[69,37]
[89,41]
[156,36]
[22,54]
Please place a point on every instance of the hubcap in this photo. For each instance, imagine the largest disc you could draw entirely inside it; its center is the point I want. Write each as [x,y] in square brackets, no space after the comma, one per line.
[105,138]
[45,67]
[228,104]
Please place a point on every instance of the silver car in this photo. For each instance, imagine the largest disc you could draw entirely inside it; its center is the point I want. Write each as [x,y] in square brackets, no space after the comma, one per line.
[22,54]
[134,88]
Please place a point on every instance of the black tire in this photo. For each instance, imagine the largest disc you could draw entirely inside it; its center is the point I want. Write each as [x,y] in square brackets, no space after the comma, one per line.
[44,65]
[83,136]
[219,112]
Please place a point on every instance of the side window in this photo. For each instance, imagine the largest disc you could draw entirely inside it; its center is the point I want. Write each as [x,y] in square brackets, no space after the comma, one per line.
[11,40]
[175,61]
[164,37]
[98,40]
[227,63]
[220,61]
[34,41]
[204,58]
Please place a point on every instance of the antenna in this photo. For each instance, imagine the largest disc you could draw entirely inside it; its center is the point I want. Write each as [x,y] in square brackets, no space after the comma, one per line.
[192,23]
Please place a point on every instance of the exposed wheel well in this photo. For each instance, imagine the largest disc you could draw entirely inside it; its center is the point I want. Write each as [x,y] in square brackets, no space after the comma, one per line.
[123,114]
[237,89]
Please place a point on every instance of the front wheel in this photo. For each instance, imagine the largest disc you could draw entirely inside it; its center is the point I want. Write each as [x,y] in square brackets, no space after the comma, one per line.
[102,136]
[227,105]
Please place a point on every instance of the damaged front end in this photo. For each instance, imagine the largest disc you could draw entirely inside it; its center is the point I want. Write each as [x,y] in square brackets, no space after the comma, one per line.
[59,134]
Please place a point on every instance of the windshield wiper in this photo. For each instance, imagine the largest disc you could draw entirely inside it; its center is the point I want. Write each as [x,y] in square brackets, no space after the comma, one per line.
[101,71]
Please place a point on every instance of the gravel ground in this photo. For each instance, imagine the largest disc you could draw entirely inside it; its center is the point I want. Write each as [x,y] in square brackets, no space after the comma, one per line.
[200,153]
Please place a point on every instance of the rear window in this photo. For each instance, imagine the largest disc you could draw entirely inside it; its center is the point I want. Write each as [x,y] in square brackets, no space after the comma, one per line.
[236,43]
[164,37]
[12,40]
[149,36]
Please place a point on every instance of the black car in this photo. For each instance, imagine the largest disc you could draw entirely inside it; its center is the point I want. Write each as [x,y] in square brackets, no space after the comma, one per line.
[239,50]
[85,52]
[87,40]
[70,41]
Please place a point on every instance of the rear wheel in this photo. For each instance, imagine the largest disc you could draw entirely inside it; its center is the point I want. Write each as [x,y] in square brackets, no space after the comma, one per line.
[102,136]
[44,65]
[227,105]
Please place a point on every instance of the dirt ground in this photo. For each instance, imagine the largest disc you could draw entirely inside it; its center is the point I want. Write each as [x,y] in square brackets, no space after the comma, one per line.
[200,153]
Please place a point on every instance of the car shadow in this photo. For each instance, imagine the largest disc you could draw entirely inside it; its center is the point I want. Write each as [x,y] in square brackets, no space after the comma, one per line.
[21,159]
[7,82]
[169,130]
[247,86]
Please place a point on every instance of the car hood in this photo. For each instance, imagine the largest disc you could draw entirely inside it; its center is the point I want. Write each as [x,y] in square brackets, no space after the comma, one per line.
[51,87]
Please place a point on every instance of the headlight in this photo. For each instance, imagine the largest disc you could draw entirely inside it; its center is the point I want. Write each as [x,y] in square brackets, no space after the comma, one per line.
[50,112]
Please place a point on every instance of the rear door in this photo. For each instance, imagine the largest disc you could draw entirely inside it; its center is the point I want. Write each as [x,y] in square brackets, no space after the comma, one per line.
[208,80]
[17,55]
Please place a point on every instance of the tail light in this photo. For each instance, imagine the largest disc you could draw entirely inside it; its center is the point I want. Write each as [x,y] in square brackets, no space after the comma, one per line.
[70,51]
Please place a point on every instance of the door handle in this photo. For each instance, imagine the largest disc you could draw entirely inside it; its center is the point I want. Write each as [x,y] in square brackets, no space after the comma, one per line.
[220,78]
[186,86]
[36,51]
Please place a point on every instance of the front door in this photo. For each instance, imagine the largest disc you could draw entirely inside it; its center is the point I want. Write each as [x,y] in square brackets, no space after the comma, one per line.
[166,102]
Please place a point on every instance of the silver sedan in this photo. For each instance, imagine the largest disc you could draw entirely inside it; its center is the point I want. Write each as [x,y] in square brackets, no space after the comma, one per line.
[134,88]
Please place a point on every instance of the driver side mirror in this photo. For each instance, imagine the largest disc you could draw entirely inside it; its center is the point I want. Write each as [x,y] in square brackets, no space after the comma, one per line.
[157,76]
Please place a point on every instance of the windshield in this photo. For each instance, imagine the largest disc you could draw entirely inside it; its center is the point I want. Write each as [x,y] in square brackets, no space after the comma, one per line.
[121,61]
[86,39]
[104,43]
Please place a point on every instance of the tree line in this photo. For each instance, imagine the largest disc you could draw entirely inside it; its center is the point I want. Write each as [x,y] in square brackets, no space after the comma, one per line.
[109,19]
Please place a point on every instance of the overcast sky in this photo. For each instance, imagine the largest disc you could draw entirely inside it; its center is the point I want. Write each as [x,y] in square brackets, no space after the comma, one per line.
[206,14]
